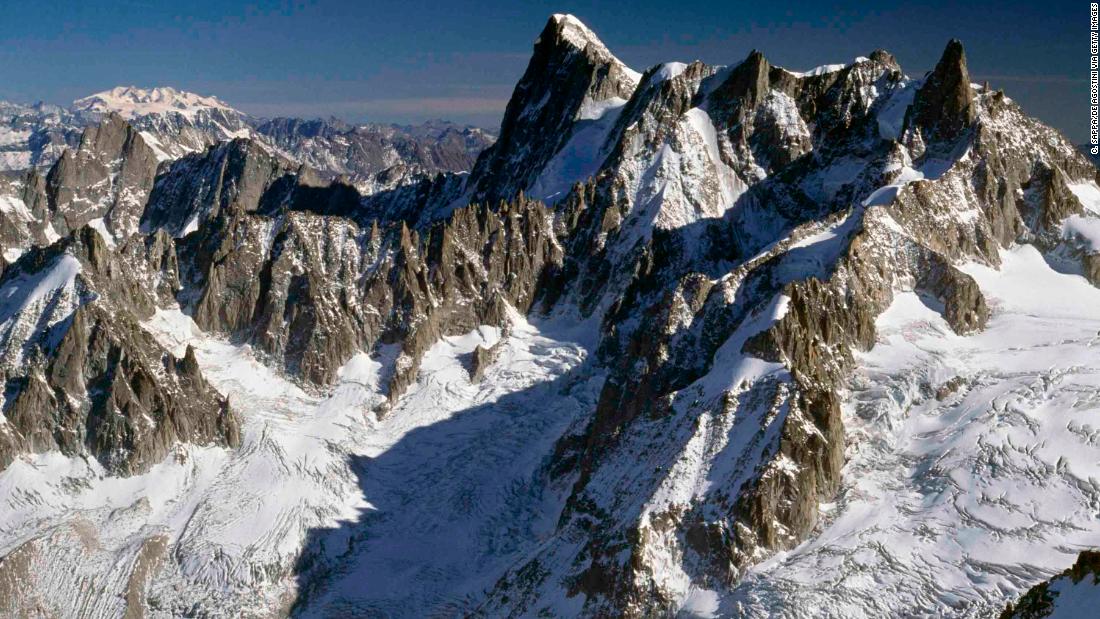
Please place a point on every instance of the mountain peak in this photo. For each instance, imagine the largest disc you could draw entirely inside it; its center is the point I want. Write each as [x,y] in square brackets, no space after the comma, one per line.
[131,101]
[571,73]
[747,81]
[884,57]
[570,29]
[954,49]
[563,30]
[951,69]
[944,105]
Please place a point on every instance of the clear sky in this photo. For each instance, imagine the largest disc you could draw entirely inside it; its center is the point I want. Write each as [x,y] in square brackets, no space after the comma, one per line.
[410,60]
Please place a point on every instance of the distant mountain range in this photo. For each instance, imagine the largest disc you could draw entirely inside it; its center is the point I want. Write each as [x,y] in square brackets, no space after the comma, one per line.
[175,123]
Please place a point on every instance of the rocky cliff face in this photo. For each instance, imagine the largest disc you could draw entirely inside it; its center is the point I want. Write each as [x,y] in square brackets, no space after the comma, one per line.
[108,177]
[572,78]
[304,273]
[726,238]
[280,268]
[82,376]
[104,182]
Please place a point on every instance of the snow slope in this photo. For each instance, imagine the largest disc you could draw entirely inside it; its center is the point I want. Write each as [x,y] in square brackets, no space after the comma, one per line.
[450,468]
[455,502]
[972,461]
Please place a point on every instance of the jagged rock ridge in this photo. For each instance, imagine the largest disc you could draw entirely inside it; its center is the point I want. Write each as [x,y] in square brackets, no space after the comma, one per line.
[175,123]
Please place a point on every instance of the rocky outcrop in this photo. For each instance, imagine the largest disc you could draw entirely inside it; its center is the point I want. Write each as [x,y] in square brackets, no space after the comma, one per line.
[482,358]
[108,177]
[944,105]
[310,277]
[83,377]
[963,305]
[104,182]
[21,223]
[233,177]
[1078,582]
[393,286]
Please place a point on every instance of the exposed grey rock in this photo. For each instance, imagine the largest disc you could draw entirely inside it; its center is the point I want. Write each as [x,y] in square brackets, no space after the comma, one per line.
[569,66]
[310,277]
[482,358]
[1042,600]
[670,301]
[944,105]
[229,179]
[949,388]
[93,381]
[108,177]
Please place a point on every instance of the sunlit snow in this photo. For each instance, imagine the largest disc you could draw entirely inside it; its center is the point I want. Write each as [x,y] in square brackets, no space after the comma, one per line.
[957,499]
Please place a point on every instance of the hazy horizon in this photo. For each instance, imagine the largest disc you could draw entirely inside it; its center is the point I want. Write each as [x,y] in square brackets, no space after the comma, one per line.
[373,63]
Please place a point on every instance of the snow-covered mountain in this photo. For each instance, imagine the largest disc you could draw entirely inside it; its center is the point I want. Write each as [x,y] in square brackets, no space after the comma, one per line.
[698,341]
[131,102]
[35,135]
[176,123]
[172,122]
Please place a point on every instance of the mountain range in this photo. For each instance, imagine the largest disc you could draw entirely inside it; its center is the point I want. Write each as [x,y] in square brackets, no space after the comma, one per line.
[697,341]
[175,123]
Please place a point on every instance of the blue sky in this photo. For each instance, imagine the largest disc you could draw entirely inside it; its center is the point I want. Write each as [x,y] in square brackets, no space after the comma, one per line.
[410,60]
